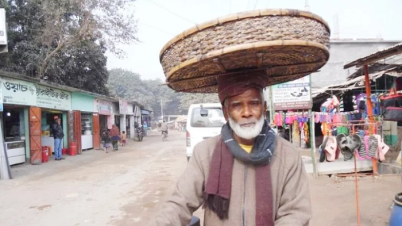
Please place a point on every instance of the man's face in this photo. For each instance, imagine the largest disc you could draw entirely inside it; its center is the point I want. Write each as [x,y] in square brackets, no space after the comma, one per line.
[245,113]
[58,121]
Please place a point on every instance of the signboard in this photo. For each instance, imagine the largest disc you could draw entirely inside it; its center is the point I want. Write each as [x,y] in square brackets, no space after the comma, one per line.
[47,97]
[293,95]
[3,31]
[123,105]
[18,92]
[102,107]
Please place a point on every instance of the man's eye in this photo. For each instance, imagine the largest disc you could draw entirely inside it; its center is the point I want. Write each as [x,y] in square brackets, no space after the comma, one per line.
[255,103]
[236,105]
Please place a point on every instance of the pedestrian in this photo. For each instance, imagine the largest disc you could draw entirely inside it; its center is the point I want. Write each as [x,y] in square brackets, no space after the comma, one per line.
[57,131]
[247,175]
[107,141]
[115,136]
[123,138]
[164,127]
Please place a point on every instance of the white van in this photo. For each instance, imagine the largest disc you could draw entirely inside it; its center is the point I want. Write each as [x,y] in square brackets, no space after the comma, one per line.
[203,121]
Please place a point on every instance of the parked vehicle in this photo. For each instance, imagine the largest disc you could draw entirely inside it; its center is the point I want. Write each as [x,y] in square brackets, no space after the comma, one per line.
[203,121]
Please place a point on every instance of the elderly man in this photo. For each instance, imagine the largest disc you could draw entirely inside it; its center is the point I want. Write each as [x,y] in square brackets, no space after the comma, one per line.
[245,176]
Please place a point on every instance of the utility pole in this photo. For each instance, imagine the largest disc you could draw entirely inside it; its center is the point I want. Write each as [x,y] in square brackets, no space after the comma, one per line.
[307,6]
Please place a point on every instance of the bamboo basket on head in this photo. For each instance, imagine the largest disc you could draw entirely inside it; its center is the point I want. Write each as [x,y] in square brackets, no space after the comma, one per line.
[286,44]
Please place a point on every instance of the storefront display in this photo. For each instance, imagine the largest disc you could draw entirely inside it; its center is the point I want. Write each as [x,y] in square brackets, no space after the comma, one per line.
[86,131]
[14,134]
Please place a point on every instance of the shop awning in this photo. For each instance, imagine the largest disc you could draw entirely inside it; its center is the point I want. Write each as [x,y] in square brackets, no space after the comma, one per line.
[377,70]
[145,112]
[356,82]
[374,57]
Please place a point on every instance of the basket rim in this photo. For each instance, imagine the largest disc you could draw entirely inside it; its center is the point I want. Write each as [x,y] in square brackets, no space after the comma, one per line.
[240,16]
[242,47]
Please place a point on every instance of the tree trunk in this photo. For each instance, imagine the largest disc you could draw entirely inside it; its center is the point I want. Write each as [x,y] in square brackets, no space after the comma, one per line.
[45,62]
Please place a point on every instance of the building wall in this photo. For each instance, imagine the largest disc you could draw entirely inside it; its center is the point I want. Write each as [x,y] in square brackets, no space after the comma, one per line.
[82,102]
[341,53]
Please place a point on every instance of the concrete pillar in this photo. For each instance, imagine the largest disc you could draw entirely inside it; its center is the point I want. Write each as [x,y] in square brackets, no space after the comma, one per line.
[122,123]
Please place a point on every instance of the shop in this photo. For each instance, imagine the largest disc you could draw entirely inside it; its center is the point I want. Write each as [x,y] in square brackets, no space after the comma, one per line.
[17,97]
[290,107]
[53,103]
[86,122]
[14,133]
[104,110]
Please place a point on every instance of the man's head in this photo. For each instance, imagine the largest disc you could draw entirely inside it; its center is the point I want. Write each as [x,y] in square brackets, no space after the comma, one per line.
[243,104]
[57,119]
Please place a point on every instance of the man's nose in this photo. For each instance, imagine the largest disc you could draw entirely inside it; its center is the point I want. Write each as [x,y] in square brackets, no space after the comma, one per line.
[246,112]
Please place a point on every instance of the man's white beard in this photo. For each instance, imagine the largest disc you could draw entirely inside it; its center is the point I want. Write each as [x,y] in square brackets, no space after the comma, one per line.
[247,133]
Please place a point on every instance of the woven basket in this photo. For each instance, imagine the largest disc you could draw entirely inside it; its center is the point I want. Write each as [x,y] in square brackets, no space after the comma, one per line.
[287,44]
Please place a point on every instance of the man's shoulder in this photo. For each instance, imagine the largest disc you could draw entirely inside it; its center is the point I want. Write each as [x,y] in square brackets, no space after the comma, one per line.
[286,152]
[207,146]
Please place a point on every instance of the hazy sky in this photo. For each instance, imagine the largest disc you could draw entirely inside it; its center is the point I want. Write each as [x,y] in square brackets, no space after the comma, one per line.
[161,20]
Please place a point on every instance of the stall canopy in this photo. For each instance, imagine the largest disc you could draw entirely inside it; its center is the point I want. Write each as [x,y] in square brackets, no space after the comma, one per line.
[356,80]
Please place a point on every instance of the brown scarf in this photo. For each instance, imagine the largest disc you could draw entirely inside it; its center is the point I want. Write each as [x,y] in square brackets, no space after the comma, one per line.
[217,191]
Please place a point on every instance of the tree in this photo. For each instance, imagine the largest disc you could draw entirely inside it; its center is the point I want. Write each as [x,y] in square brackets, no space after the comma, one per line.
[150,93]
[69,22]
[82,67]
[65,40]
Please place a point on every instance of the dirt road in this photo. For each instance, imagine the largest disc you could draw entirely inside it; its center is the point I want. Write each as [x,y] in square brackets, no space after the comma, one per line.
[127,187]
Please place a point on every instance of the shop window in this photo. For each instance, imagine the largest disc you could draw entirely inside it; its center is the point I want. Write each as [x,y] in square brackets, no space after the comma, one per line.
[14,124]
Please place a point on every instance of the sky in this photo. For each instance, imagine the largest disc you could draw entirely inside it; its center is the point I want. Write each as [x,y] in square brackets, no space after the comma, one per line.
[158,21]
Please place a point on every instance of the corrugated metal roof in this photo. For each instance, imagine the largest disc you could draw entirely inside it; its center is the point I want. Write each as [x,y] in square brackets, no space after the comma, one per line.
[372,58]
[374,68]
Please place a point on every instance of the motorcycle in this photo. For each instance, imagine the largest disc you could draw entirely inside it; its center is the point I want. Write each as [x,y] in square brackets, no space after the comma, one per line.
[139,133]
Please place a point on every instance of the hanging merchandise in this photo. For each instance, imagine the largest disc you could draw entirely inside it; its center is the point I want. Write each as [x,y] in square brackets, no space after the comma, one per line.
[341,105]
[302,138]
[296,133]
[306,134]
[360,142]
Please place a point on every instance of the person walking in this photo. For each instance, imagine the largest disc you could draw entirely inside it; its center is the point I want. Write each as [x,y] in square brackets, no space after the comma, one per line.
[57,131]
[107,141]
[115,135]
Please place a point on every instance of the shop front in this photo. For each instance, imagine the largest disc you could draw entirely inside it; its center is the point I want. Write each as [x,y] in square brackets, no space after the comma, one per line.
[86,126]
[104,111]
[17,97]
[53,103]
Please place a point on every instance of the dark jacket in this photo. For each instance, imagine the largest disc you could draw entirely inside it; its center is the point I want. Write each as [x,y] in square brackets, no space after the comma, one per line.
[106,138]
[57,131]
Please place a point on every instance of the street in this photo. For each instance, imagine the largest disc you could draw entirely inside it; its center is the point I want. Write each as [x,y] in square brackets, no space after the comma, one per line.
[127,187]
